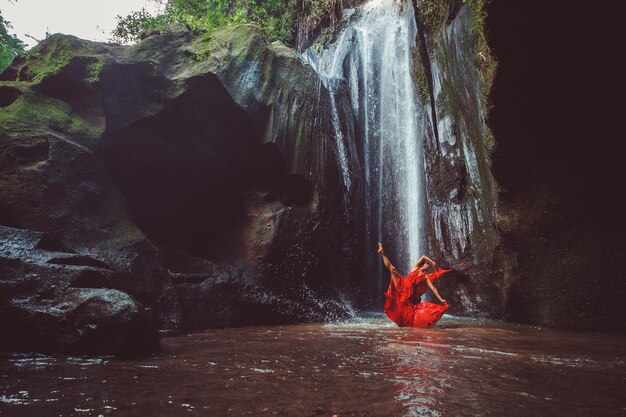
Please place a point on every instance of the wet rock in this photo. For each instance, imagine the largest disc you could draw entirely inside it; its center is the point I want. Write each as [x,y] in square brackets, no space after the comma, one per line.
[288,106]
[107,321]
[461,192]
[43,311]
[117,157]
[8,95]
[52,181]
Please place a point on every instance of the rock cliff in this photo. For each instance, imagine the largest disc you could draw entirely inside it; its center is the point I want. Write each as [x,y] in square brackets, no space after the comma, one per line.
[453,66]
[132,181]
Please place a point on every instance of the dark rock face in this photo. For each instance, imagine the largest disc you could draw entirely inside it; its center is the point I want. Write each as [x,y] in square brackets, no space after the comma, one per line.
[289,108]
[182,172]
[560,212]
[53,183]
[59,302]
[150,197]
[316,22]
[461,192]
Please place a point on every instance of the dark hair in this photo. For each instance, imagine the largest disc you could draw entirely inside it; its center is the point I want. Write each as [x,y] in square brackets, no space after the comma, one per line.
[420,263]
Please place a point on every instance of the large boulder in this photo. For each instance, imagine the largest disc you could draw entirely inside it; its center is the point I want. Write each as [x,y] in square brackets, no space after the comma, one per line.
[53,183]
[309,242]
[173,207]
[59,301]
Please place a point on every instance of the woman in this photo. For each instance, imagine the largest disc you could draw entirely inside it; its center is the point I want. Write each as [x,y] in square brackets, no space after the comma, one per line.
[402,304]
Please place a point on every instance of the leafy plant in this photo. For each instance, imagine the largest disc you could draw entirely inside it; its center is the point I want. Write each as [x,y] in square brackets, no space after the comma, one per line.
[478,12]
[485,61]
[130,27]
[433,13]
[274,17]
[10,45]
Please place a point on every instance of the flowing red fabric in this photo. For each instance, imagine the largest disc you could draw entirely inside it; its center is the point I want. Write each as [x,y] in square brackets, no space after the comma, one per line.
[401,306]
[438,272]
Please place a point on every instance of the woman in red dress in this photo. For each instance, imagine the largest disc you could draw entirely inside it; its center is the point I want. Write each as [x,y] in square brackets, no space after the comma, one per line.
[403,297]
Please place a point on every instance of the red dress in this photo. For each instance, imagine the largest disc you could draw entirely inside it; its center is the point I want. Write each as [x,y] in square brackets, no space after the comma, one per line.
[403,305]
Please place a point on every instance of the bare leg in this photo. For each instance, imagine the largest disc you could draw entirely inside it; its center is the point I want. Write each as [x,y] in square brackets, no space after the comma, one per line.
[392,269]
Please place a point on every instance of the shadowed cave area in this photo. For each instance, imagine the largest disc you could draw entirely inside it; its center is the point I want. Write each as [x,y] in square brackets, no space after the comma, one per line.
[184,171]
[554,115]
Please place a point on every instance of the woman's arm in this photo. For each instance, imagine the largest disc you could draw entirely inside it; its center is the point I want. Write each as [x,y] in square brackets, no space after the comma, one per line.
[392,269]
[434,290]
[427,259]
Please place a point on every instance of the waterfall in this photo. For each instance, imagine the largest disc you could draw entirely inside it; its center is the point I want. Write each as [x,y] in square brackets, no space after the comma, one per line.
[372,59]
[422,180]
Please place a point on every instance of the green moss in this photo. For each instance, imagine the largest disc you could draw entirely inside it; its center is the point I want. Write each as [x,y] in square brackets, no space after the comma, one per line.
[94,69]
[54,54]
[484,61]
[238,36]
[58,51]
[235,38]
[419,75]
[33,112]
[325,38]
[318,9]
[433,14]
[126,233]
[82,129]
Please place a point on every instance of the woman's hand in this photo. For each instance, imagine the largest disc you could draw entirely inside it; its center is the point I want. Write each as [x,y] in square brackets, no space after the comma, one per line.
[443,301]
[380,248]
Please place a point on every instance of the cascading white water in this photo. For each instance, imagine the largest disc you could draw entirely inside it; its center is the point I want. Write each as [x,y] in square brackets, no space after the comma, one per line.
[373,57]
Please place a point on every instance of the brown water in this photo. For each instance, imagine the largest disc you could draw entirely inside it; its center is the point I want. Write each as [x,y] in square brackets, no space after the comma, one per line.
[367,367]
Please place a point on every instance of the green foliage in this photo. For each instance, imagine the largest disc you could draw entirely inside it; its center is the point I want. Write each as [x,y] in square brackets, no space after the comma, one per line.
[478,12]
[274,17]
[319,9]
[95,69]
[10,45]
[318,19]
[56,54]
[33,111]
[421,81]
[433,13]
[129,28]
[485,61]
